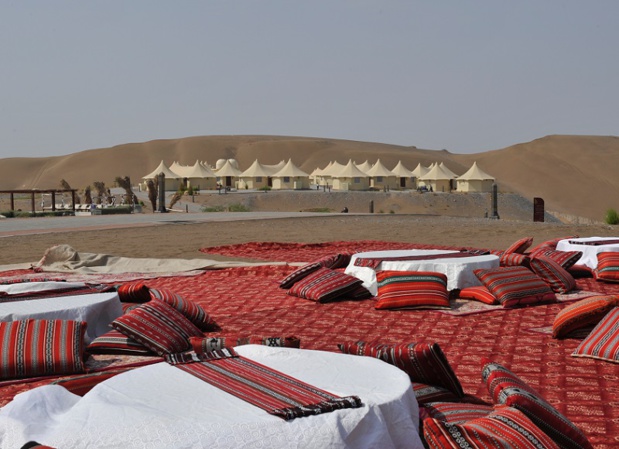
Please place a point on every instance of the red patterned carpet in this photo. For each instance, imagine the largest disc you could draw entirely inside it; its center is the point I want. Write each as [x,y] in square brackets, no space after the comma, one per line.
[248,301]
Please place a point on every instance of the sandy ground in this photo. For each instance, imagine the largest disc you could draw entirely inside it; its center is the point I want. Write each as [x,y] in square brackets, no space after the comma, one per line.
[183,240]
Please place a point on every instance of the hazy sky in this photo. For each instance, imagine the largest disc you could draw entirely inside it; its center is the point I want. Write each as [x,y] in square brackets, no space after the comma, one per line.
[467,76]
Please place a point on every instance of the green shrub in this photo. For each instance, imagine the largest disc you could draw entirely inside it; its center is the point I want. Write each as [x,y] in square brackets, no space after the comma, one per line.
[237,207]
[115,210]
[265,188]
[612,218]
[213,209]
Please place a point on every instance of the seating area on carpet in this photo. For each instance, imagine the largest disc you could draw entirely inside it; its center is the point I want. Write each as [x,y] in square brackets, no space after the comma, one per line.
[248,304]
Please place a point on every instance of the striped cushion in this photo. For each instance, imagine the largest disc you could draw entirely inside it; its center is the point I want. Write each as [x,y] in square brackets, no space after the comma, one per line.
[30,348]
[515,286]
[520,246]
[608,267]
[158,326]
[603,341]
[202,345]
[513,260]
[340,260]
[508,389]
[114,342]
[195,313]
[299,274]
[504,428]
[559,280]
[411,290]
[549,245]
[456,413]
[478,293]
[585,313]
[564,258]
[423,362]
[431,393]
[129,306]
[133,292]
[324,285]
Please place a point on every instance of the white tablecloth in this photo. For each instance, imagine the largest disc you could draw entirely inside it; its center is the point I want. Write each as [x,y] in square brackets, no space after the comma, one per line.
[589,252]
[97,309]
[161,406]
[459,271]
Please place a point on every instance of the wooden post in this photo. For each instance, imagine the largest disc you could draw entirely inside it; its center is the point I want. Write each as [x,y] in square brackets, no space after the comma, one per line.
[53,201]
[12,202]
[32,202]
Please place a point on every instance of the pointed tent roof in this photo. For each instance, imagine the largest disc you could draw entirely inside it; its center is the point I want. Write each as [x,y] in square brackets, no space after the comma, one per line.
[227,169]
[198,171]
[178,168]
[272,169]
[436,173]
[447,170]
[291,170]
[333,168]
[350,170]
[476,173]
[420,171]
[401,171]
[256,169]
[162,168]
[365,166]
[378,169]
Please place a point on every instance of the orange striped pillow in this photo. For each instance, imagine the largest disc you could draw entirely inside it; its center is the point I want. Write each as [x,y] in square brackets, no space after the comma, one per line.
[411,290]
[582,314]
[608,267]
[478,293]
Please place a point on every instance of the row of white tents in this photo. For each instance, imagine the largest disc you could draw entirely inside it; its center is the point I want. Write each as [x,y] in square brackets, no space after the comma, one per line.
[336,176]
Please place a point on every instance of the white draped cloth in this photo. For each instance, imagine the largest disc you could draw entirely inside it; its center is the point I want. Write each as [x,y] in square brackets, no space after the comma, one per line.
[589,256]
[161,406]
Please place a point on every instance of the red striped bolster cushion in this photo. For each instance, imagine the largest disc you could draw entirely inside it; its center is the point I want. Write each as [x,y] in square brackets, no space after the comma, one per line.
[549,245]
[515,286]
[158,326]
[603,341]
[559,280]
[456,412]
[411,290]
[133,292]
[324,285]
[202,345]
[585,313]
[299,274]
[195,313]
[41,347]
[520,246]
[478,293]
[608,267]
[504,428]
[431,393]
[340,260]
[564,258]
[508,389]
[513,260]
[115,342]
[423,362]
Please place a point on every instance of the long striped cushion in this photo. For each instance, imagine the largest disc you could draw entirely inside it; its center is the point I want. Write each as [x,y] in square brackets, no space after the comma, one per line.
[608,267]
[133,292]
[508,389]
[299,274]
[339,260]
[431,393]
[158,326]
[515,286]
[456,412]
[504,428]
[115,342]
[520,245]
[411,290]
[201,345]
[603,341]
[478,293]
[559,280]
[30,348]
[423,362]
[194,312]
[513,260]
[324,285]
[564,258]
[548,245]
[585,313]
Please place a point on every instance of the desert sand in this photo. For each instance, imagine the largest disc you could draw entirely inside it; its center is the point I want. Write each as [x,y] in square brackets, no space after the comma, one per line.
[185,240]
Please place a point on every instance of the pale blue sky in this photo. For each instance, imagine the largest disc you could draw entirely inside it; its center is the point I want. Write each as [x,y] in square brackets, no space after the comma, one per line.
[467,76]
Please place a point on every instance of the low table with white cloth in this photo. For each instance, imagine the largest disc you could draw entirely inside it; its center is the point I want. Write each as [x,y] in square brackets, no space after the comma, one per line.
[97,309]
[590,247]
[459,270]
[161,406]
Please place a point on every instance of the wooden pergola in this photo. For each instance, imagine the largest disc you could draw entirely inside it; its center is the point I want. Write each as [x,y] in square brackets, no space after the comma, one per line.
[34,192]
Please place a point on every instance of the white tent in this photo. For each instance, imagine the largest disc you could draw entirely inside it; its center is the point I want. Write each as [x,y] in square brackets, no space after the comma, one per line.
[350,178]
[437,179]
[199,177]
[227,174]
[381,177]
[447,170]
[172,180]
[475,180]
[404,176]
[290,177]
[256,176]
[364,167]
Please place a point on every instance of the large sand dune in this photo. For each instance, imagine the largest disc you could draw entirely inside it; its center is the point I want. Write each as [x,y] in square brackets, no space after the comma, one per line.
[575,175]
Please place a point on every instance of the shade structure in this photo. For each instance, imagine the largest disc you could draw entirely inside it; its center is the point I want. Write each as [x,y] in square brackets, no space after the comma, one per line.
[475,180]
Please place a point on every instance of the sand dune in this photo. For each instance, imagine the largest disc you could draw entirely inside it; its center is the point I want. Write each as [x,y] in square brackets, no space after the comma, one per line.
[575,175]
